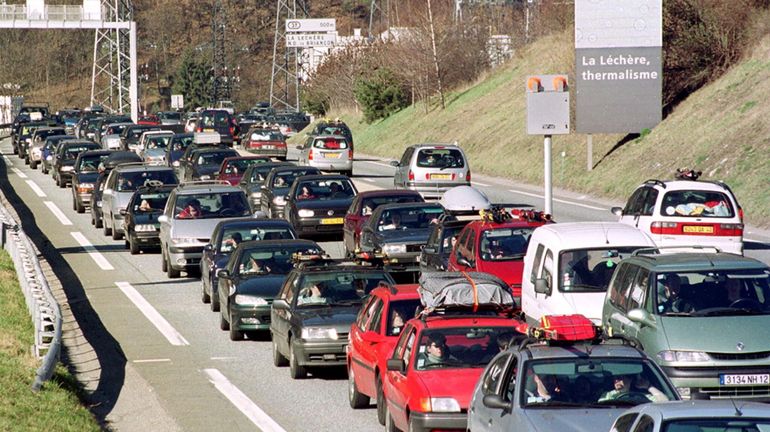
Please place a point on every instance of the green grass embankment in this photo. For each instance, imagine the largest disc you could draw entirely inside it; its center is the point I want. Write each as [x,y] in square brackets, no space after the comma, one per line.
[56,406]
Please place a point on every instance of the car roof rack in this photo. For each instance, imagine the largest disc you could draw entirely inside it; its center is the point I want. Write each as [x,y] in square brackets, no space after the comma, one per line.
[648,252]
[204,183]
[655,182]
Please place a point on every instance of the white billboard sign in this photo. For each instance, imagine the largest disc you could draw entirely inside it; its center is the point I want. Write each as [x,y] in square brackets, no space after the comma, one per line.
[311,25]
[177,101]
[309,40]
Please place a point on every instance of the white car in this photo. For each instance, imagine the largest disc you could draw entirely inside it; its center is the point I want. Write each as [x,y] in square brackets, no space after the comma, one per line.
[695,416]
[686,213]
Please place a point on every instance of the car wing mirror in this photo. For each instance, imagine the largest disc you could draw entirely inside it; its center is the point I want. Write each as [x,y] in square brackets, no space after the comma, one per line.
[280,304]
[494,401]
[464,261]
[223,274]
[429,249]
[641,316]
[396,365]
[208,248]
[162,218]
[394,164]
[541,287]
[299,147]
[617,211]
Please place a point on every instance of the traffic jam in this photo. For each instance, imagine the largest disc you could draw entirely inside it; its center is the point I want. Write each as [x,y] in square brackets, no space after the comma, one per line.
[449,312]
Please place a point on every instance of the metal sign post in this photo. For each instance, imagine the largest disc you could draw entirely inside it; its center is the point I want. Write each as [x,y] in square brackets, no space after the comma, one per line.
[547,115]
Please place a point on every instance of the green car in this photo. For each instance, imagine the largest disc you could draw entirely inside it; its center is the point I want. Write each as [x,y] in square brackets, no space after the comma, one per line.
[703,316]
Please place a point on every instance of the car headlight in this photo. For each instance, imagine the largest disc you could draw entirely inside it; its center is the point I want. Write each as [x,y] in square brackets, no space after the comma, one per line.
[205,177]
[256,195]
[67,168]
[85,187]
[36,151]
[49,158]
[319,333]
[184,240]
[99,204]
[247,300]
[175,163]
[683,356]
[145,228]
[306,213]
[393,248]
[279,201]
[439,405]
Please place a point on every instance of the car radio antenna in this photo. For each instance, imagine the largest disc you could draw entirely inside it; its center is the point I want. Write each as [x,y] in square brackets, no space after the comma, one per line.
[738,412]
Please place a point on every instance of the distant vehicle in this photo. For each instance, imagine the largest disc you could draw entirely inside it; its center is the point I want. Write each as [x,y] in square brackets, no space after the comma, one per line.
[441,240]
[129,138]
[232,169]
[327,153]
[204,163]
[35,149]
[151,120]
[152,146]
[265,142]
[686,212]
[253,180]
[217,121]
[336,127]
[64,160]
[431,169]
[114,159]
[169,117]
[49,150]
[290,123]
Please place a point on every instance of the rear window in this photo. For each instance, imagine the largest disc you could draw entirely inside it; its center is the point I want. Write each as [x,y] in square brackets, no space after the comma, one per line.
[330,144]
[90,163]
[696,203]
[440,158]
[213,158]
[216,119]
[266,136]
[238,166]
[369,205]
[233,236]
[325,189]
[286,178]
[131,181]
[151,202]
[73,152]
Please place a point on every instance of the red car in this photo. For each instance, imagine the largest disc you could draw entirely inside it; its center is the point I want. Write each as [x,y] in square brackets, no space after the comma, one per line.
[232,168]
[266,142]
[372,338]
[362,207]
[151,120]
[496,244]
[435,366]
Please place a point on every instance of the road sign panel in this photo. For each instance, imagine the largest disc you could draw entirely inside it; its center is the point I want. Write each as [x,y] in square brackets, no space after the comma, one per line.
[547,105]
[308,40]
[311,25]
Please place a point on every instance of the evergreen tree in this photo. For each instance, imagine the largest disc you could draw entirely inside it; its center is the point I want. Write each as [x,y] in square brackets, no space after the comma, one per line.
[193,80]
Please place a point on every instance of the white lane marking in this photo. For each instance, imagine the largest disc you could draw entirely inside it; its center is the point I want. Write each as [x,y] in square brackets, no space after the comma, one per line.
[58,213]
[95,255]
[19,173]
[7,161]
[557,200]
[35,188]
[379,163]
[475,183]
[263,421]
[224,358]
[163,360]
[163,326]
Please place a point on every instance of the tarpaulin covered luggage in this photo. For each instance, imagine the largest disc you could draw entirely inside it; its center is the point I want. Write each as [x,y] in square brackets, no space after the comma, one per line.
[460,289]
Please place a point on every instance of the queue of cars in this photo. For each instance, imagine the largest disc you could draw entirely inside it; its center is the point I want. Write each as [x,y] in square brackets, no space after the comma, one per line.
[439,355]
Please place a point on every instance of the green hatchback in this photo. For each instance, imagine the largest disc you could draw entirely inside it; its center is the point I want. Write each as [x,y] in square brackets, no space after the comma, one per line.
[703,316]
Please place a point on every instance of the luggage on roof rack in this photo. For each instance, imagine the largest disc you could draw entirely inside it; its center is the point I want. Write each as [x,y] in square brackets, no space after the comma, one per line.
[461,289]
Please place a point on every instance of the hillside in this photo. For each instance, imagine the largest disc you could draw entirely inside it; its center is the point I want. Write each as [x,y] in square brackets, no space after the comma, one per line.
[722,129]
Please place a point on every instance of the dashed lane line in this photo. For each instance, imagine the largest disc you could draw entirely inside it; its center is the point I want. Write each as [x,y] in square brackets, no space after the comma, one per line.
[242,402]
[557,200]
[7,161]
[475,183]
[161,360]
[163,326]
[95,255]
[58,213]
[19,172]
[35,188]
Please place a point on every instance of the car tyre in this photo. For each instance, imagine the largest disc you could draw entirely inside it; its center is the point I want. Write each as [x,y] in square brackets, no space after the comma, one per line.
[381,413]
[80,208]
[214,302]
[223,324]
[115,234]
[295,370]
[133,247]
[389,425]
[107,229]
[44,169]
[26,159]
[163,262]
[235,335]
[278,359]
[172,272]
[98,222]
[348,173]
[357,399]
[33,164]
[205,297]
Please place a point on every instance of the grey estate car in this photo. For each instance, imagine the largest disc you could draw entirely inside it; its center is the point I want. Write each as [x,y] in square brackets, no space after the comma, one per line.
[432,169]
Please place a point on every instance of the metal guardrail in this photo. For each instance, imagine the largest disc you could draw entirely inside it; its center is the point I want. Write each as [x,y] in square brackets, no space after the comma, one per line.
[43,307]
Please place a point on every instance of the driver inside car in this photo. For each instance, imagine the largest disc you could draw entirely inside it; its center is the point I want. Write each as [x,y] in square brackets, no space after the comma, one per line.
[630,387]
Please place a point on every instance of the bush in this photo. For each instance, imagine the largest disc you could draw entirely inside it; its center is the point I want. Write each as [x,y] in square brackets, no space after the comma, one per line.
[380,94]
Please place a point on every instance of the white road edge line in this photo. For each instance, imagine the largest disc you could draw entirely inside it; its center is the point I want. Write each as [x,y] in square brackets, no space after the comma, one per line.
[19,173]
[35,188]
[380,164]
[95,255]
[368,180]
[58,213]
[163,326]
[7,161]
[557,200]
[163,360]
[475,183]
[254,413]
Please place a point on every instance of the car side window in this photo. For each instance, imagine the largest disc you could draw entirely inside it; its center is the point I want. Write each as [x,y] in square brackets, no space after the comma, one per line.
[645,424]
[407,157]
[624,423]
[370,311]
[622,285]
[408,349]
[509,380]
[399,350]
[634,204]
[547,271]
[536,262]
[363,313]
[471,245]
[638,292]
[494,374]
[648,206]
[375,323]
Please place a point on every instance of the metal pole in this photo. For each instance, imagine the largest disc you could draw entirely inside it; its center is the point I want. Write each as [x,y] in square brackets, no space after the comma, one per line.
[590,153]
[93,73]
[547,174]
[132,92]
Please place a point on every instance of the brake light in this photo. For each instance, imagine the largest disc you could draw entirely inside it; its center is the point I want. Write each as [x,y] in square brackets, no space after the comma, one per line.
[740,213]
[663,228]
[707,229]
[232,131]
[350,154]
[200,129]
[731,230]
[468,176]
[310,155]
[411,175]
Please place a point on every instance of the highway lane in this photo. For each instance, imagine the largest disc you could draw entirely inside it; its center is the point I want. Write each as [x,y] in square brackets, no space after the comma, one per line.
[203,380]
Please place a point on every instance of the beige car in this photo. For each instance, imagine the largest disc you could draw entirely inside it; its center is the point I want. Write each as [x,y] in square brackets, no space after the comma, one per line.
[432,169]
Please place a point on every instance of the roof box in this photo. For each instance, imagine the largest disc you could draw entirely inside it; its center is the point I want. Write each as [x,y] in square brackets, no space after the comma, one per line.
[465,199]
[207,138]
[461,289]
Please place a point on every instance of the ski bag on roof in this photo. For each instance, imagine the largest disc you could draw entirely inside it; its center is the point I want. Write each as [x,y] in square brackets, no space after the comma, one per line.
[460,289]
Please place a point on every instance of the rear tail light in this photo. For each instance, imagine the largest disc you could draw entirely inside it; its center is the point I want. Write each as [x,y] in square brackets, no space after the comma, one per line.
[411,175]
[232,131]
[740,213]
[200,129]
[310,155]
[468,176]
[664,228]
[350,154]
[674,228]
[732,230]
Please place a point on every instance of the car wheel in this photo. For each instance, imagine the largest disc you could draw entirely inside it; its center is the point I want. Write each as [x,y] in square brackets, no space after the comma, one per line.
[98,222]
[389,425]
[26,159]
[172,272]
[295,370]
[62,183]
[380,402]
[235,335]
[107,229]
[278,359]
[56,179]
[80,208]
[44,169]
[214,302]
[163,262]
[33,164]
[223,324]
[357,400]
[205,297]
[348,173]
[133,247]
[115,234]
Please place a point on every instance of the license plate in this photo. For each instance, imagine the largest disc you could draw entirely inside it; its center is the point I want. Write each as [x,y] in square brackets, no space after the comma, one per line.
[699,229]
[268,147]
[332,155]
[208,130]
[441,176]
[741,380]
[332,221]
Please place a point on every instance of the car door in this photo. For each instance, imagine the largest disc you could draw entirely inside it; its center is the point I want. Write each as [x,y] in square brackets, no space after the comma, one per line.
[482,417]
[351,225]
[615,317]
[397,385]
[367,337]
[638,299]
[638,212]
[108,196]
[208,255]
[431,251]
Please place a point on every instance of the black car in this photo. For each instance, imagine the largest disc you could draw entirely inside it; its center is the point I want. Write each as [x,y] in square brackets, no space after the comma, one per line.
[101,123]
[177,147]
[204,163]
[114,159]
[251,280]
[317,204]
[254,178]
[435,254]
[218,121]
[277,183]
[129,138]
[84,177]
[140,223]
[225,238]
[311,316]
[23,139]
[65,157]
[49,151]
[396,233]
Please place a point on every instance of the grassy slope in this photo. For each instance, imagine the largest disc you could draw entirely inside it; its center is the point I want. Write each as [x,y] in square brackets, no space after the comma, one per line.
[723,129]
[55,406]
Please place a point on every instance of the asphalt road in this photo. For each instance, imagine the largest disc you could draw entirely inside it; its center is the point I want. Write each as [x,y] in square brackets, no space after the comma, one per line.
[171,340]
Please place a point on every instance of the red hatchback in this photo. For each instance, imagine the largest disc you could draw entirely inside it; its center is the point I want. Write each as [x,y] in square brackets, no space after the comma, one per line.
[372,338]
[232,168]
[496,245]
[266,142]
[435,366]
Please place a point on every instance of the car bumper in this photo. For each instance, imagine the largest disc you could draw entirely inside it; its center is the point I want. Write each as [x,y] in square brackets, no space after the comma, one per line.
[433,190]
[247,318]
[733,245]
[145,238]
[180,258]
[336,165]
[706,380]
[277,153]
[443,421]
[322,353]
[316,226]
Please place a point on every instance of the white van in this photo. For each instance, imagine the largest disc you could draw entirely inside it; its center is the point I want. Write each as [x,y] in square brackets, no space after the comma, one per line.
[568,267]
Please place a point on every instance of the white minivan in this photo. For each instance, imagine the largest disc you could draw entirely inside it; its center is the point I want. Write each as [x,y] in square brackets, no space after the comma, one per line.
[568,267]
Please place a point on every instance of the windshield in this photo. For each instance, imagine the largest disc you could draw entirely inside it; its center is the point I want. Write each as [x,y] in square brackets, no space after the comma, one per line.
[440,158]
[460,347]
[266,136]
[212,205]
[330,143]
[218,118]
[239,166]
[589,270]
[179,143]
[232,237]
[409,218]
[503,244]
[278,261]
[339,288]
[595,382]
[710,424]
[73,152]
[131,181]
[696,203]
[712,293]
[325,189]
[370,204]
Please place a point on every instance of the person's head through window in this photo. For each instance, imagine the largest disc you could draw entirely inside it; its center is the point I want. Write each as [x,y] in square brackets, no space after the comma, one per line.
[673,302]
[733,287]
[335,190]
[145,206]
[232,241]
[368,209]
[578,272]
[436,351]
[192,210]
[396,322]
[306,192]
[395,222]
[315,293]
[496,250]
[547,387]
[257,266]
[504,341]
[279,182]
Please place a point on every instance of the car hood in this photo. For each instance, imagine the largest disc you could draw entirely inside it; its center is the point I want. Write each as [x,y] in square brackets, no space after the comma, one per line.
[410,236]
[332,204]
[194,228]
[262,286]
[725,333]
[509,271]
[88,177]
[571,420]
[455,383]
[339,317]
